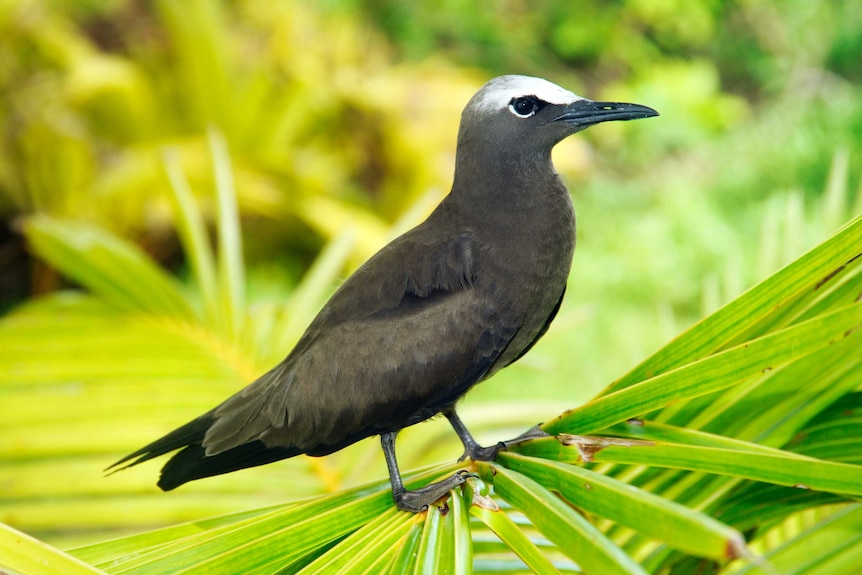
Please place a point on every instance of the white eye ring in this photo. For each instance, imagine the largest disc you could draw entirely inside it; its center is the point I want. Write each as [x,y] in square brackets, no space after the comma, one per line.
[525,106]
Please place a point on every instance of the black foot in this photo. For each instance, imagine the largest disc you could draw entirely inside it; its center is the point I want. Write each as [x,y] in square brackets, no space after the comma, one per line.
[418,500]
[478,453]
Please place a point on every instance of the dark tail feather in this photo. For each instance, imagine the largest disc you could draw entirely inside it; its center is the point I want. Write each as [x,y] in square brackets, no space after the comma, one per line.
[191,433]
[192,462]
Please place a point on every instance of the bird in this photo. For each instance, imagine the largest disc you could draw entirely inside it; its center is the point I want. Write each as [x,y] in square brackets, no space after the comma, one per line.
[439,309]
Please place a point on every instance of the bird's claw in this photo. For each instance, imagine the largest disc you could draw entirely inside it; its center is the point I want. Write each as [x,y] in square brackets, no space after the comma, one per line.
[464,474]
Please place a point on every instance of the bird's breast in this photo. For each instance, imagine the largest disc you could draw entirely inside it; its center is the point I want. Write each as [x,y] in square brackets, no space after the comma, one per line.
[526,269]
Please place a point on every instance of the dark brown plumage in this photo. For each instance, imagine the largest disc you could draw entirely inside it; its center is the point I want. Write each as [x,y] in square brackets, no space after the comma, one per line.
[439,309]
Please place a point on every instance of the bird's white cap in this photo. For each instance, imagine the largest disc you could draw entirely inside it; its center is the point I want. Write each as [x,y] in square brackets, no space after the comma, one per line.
[497,93]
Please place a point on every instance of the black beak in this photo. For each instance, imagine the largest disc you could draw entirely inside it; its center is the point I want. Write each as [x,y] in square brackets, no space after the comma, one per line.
[586,112]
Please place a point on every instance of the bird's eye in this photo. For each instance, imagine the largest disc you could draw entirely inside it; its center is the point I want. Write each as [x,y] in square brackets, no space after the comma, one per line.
[525,106]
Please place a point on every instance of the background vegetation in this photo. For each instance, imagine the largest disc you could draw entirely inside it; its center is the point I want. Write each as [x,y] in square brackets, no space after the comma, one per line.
[339,120]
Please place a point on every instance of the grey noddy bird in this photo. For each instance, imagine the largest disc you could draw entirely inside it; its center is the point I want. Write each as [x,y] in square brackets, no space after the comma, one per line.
[439,309]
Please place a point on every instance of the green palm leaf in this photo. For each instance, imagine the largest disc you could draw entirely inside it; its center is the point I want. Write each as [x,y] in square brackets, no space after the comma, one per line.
[741,422]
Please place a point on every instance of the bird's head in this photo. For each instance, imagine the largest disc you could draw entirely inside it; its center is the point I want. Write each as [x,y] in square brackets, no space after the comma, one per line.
[517,116]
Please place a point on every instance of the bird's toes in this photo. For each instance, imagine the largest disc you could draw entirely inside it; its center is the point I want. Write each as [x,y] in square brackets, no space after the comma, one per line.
[484,453]
[418,500]
[534,432]
[412,502]
[490,453]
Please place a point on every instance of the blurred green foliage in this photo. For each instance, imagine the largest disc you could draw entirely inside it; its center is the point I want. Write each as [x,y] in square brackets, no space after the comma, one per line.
[342,115]
[324,134]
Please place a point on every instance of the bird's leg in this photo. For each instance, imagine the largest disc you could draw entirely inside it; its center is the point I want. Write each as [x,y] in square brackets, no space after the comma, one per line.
[476,452]
[472,449]
[415,500]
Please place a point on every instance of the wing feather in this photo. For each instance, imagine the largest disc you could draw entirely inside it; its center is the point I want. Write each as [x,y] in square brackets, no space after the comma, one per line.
[403,338]
[386,354]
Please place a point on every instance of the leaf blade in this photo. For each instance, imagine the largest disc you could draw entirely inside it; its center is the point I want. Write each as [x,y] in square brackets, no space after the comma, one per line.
[515,539]
[655,517]
[786,285]
[23,554]
[572,533]
[713,373]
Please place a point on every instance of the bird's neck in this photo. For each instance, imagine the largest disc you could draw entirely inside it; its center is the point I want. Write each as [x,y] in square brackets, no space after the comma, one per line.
[528,184]
[514,207]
